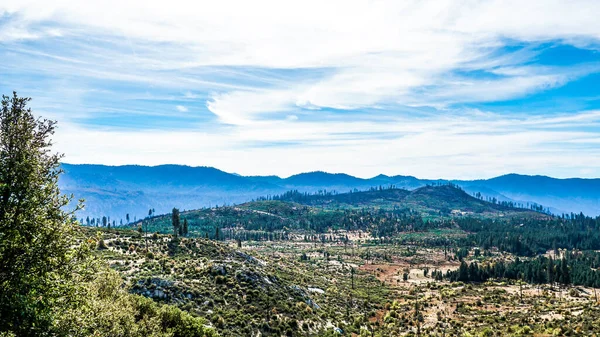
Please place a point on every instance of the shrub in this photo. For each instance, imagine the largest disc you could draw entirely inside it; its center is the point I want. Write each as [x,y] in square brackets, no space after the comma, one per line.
[101,245]
[107,309]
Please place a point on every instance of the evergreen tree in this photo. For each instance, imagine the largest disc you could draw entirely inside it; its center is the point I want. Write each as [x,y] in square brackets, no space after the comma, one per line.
[550,271]
[36,233]
[185,227]
[175,221]
[564,272]
[463,272]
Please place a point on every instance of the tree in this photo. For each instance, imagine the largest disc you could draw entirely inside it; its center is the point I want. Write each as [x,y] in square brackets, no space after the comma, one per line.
[127,217]
[185,227]
[565,277]
[463,272]
[36,242]
[175,221]
[550,271]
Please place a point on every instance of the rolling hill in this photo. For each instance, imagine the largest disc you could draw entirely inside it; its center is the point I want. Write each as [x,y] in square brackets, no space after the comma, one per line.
[119,190]
[321,212]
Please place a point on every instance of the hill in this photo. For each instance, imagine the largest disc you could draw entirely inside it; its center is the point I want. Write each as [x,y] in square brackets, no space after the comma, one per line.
[564,195]
[446,199]
[237,291]
[115,191]
[367,211]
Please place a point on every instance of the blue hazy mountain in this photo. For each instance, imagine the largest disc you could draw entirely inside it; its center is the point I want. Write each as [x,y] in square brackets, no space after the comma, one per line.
[119,190]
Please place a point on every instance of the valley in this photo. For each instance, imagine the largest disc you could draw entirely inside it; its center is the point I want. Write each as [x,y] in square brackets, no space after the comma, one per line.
[383,262]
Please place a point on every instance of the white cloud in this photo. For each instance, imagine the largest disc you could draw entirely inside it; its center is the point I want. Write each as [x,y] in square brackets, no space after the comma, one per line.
[382,51]
[270,70]
[479,145]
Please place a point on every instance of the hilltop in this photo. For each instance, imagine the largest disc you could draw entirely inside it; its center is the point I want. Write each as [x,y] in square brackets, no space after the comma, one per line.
[115,191]
[322,212]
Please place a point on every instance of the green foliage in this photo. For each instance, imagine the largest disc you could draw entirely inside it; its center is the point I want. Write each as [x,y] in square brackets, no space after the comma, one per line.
[175,222]
[532,235]
[575,268]
[49,282]
[37,251]
[108,310]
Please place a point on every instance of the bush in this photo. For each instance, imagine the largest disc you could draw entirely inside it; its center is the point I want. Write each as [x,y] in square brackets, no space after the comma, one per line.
[101,245]
[106,309]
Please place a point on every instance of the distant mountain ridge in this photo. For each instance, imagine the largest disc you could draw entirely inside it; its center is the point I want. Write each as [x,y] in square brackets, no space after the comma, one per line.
[131,189]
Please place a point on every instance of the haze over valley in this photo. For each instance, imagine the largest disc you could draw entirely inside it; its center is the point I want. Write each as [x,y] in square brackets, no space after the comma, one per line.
[117,191]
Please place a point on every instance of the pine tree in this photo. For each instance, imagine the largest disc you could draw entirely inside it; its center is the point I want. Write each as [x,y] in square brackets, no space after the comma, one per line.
[463,272]
[185,227]
[550,271]
[564,271]
[175,221]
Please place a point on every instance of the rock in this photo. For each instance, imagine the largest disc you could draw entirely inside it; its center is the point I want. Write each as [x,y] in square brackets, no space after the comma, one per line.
[218,270]
[251,259]
[159,294]
[312,303]
[248,276]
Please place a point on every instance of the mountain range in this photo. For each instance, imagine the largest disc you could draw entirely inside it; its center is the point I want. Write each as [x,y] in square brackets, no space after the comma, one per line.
[115,191]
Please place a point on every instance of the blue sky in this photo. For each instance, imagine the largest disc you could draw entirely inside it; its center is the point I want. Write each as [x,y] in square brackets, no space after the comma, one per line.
[452,89]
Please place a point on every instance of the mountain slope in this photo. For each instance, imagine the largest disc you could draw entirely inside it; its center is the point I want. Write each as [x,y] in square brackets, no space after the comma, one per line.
[447,198]
[324,212]
[119,190]
[564,195]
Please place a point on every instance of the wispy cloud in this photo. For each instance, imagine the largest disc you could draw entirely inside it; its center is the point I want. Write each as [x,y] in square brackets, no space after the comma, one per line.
[469,146]
[404,84]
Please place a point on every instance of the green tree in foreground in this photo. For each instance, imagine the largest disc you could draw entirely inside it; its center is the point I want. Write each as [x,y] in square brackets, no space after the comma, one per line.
[36,241]
[50,285]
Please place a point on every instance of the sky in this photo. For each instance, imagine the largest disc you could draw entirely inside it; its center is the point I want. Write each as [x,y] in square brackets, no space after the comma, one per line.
[435,89]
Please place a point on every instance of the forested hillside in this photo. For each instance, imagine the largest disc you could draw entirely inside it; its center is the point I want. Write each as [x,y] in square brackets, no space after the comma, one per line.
[115,191]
